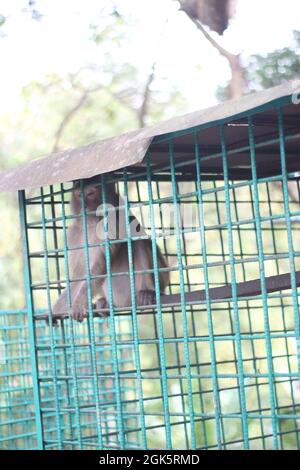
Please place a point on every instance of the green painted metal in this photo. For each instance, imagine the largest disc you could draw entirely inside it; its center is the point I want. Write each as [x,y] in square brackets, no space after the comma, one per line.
[120,428]
[217,406]
[31,325]
[91,330]
[242,396]
[263,285]
[285,100]
[72,339]
[134,313]
[162,352]
[218,373]
[291,249]
[177,224]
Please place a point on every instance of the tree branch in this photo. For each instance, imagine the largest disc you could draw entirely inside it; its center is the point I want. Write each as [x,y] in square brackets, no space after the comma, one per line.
[238,84]
[85,92]
[142,112]
[70,114]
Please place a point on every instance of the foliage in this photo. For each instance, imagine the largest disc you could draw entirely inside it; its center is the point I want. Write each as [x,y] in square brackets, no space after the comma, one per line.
[113,93]
[266,71]
[101,99]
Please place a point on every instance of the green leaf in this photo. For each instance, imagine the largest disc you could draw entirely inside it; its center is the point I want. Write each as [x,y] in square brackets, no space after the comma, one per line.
[2,20]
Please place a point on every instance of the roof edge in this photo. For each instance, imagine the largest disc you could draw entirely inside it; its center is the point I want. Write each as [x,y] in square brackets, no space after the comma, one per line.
[130,148]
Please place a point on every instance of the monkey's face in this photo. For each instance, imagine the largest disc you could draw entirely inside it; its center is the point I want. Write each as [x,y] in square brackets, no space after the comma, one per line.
[92,198]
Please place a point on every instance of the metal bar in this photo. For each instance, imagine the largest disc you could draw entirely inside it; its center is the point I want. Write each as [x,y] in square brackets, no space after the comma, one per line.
[90,318]
[182,295]
[162,351]
[207,297]
[134,314]
[31,325]
[112,319]
[272,390]
[235,295]
[294,284]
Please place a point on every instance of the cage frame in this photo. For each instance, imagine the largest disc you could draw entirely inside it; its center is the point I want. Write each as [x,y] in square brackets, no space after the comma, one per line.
[237,291]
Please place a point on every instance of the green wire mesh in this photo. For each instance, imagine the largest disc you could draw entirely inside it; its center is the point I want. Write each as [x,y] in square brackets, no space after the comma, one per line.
[17,415]
[218,373]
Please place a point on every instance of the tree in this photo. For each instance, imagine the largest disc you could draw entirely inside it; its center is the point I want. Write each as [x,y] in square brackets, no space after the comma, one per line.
[265,71]
[29,7]
[130,99]
[99,100]
[208,12]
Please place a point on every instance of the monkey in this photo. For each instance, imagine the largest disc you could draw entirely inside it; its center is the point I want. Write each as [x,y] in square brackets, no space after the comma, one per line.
[142,256]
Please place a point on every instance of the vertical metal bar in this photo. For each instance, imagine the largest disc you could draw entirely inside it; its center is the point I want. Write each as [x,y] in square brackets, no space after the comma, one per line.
[248,304]
[52,339]
[134,314]
[58,277]
[182,296]
[253,348]
[162,352]
[112,322]
[263,283]
[282,308]
[289,235]
[73,350]
[173,313]
[241,377]
[31,324]
[88,280]
[218,204]
[216,396]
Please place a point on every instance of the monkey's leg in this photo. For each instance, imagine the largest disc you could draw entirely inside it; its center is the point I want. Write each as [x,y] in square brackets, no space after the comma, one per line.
[144,282]
[145,297]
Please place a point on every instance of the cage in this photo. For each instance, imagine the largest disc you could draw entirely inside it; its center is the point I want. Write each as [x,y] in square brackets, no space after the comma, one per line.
[214,362]
[17,420]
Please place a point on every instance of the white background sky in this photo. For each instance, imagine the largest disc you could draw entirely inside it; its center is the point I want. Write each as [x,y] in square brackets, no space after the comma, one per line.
[60,42]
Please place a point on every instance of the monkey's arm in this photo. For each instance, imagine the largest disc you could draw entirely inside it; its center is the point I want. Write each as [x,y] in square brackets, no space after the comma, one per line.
[78,291]
[76,301]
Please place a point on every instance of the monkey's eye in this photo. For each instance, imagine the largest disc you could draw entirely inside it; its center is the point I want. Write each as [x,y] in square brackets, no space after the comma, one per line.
[90,193]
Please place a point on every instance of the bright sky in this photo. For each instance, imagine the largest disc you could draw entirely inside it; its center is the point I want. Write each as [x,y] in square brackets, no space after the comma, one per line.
[60,42]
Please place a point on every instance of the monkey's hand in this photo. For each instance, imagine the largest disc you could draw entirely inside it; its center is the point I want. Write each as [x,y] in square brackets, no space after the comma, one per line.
[102,305]
[79,312]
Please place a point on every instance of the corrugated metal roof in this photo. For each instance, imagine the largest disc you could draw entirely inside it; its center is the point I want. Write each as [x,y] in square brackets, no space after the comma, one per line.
[130,148]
